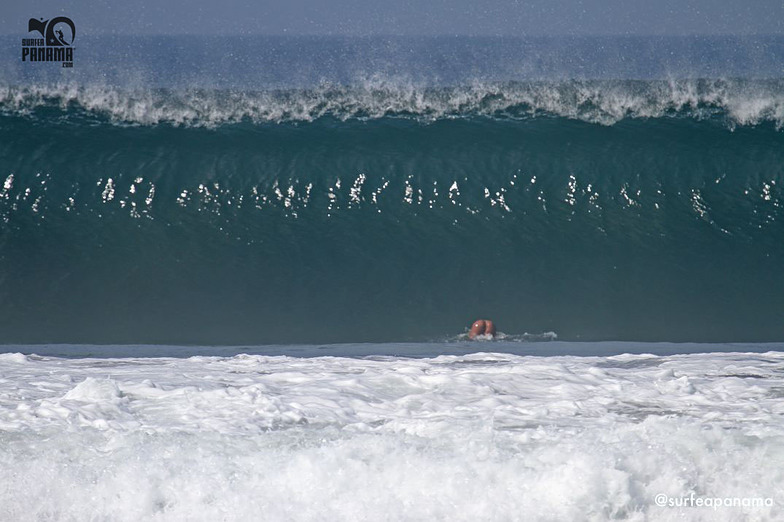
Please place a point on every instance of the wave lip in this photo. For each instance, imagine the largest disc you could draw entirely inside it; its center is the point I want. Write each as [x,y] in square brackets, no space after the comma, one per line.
[606,102]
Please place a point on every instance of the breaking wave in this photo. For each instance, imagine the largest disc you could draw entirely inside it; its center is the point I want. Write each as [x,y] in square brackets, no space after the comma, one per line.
[734,102]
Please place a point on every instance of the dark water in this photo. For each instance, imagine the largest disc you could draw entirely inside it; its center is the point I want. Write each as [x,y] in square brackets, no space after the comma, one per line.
[381,351]
[390,211]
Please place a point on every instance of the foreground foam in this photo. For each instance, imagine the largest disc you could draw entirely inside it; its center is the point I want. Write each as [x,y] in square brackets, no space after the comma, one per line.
[741,102]
[483,436]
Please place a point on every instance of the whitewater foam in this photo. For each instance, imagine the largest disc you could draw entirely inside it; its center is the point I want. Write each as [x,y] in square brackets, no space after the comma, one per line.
[739,102]
[483,436]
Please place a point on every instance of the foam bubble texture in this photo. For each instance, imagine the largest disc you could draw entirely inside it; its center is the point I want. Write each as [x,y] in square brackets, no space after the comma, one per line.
[477,437]
[740,102]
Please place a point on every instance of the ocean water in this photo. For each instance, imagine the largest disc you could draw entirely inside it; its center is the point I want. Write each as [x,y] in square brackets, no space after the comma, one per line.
[319,436]
[236,276]
[264,190]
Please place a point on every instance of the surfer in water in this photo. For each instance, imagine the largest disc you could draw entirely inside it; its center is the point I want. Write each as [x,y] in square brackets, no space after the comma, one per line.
[482,327]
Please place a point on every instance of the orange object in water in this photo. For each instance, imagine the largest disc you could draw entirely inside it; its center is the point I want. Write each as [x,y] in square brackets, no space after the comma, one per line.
[489,328]
[482,327]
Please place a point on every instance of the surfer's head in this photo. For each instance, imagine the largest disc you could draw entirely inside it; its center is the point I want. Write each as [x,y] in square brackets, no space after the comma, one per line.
[482,327]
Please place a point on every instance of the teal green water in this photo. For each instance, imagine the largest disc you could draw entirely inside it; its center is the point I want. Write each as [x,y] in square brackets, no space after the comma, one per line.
[352,228]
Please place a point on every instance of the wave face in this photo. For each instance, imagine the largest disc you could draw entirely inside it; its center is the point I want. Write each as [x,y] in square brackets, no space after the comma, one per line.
[200,191]
[360,224]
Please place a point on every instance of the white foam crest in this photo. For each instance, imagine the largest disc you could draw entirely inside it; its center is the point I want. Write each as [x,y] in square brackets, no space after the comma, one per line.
[17,358]
[482,436]
[605,102]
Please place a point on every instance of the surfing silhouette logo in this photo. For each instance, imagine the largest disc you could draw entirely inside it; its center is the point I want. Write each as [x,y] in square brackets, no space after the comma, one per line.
[53,35]
[57,34]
